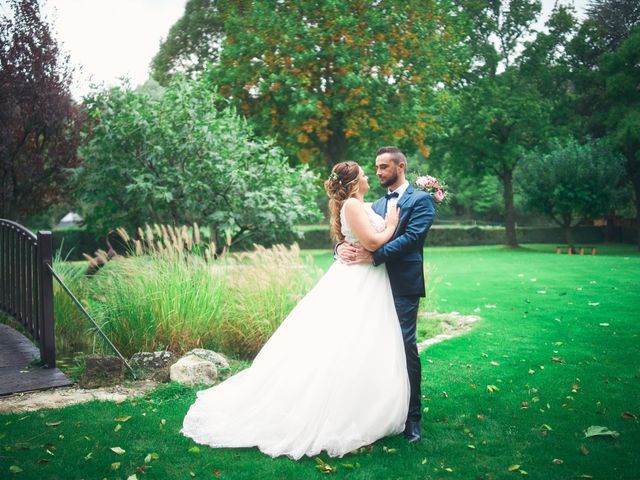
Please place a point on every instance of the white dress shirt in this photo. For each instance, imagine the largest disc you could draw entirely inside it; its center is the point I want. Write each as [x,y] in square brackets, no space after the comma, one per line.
[392,202]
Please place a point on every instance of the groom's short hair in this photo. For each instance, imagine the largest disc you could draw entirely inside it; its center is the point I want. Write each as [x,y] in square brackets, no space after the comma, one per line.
[394,153]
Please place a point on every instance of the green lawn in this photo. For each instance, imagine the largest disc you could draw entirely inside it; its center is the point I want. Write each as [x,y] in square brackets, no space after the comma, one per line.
[558,332]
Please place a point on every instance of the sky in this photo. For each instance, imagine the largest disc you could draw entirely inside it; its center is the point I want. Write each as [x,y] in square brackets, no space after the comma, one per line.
[109,39]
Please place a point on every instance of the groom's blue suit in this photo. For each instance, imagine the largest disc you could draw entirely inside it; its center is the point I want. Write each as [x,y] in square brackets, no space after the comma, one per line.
[402,256]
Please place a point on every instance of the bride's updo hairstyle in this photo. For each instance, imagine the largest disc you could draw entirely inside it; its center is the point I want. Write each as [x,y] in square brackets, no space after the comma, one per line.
[342,184]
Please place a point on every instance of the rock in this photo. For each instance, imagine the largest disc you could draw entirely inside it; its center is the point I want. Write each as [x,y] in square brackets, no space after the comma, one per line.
[193,370]
[217,359]
[153,365]
[102,371]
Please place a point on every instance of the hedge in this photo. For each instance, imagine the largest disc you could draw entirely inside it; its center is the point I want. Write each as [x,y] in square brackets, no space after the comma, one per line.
[317,236]
[73,242]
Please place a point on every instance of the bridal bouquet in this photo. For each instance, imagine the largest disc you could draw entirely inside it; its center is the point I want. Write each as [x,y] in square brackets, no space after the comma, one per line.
[434,186]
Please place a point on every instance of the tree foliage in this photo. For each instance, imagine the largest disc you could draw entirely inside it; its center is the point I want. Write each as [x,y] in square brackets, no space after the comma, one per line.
[614,18]
[333,78]
[572,182]
[39,122]
[192,42]
[179,159]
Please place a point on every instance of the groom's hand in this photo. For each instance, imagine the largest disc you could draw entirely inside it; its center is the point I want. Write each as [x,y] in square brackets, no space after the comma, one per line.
[353,254]
[346,252]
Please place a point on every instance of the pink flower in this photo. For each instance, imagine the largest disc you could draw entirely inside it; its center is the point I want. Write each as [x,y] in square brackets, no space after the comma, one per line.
[439,195]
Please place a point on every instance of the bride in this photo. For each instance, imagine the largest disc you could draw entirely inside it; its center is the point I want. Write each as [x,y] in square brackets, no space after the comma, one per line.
[333,376]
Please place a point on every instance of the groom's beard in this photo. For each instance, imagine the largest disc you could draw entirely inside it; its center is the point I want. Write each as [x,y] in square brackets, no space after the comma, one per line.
[389,181]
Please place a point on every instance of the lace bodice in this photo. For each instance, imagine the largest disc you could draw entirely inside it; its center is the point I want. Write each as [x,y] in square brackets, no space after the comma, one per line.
[377,222]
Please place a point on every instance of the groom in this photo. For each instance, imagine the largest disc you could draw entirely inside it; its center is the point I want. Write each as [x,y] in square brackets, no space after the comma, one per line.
[402,256]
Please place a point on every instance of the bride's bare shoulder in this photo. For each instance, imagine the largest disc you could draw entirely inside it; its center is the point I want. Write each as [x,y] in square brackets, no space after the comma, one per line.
[352,206]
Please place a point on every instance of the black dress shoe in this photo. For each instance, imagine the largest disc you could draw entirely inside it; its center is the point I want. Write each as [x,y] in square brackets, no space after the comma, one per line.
[412,431]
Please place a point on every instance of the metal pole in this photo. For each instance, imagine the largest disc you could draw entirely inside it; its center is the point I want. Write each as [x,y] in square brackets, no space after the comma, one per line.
[86,314]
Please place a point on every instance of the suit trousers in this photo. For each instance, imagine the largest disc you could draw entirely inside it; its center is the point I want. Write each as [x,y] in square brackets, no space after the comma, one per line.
[407,310]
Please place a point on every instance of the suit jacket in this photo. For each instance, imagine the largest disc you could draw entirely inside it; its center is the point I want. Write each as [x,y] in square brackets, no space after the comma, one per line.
[403,253]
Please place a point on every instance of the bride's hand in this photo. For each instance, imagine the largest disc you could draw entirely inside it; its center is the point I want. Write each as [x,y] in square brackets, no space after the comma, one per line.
[392,218]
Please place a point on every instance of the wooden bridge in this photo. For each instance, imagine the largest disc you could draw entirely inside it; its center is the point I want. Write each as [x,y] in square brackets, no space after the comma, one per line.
[26,295]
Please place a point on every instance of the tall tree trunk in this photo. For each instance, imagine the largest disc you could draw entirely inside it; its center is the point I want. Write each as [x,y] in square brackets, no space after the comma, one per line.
[509,211]
[636,194]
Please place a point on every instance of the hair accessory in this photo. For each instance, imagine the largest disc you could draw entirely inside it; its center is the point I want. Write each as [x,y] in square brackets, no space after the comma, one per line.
[333,176]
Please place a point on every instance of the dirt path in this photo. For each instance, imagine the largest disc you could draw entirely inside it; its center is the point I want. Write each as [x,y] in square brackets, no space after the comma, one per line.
[452,323]
[62,397]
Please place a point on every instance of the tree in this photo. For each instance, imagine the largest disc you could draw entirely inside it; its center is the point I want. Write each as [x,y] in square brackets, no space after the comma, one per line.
[178,159]
[614,18]
[193,41]
[510,101]
[572,182]
[621,70]
[604,63]
[496,122]
[333,79]
[39,122]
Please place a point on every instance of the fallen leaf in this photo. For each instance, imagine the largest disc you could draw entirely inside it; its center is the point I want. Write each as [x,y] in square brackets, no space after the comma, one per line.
[546,427]
[513,468]
[324,467]
[584,476]
[558,360]
[132,477]
[88,456]
[596,430]
[151,456]
[15,469]
[604,324]
[124,418]
[495,364]
[115,465]
[594,304]
[53,424]
[523,472]
[557,461]
[117,450]
[531,371]
[524,404]
[472,447]
[480,417]
[629,415]
[492,389]
[584,450]
[449,469]
[118,427]
[194,450]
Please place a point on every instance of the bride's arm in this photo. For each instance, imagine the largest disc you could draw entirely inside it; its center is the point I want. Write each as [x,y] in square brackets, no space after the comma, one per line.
[363,230]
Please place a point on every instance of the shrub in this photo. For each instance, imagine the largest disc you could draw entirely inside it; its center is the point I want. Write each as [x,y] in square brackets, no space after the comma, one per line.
[179,159]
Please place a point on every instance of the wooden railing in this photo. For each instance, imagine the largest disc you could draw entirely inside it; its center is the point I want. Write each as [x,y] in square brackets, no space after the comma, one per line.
[26,284]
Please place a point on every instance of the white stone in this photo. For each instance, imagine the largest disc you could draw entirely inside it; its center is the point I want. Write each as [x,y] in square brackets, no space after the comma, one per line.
[193,370]
[216,358]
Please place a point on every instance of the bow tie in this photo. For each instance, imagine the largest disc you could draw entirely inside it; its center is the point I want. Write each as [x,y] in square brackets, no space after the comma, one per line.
[391,195]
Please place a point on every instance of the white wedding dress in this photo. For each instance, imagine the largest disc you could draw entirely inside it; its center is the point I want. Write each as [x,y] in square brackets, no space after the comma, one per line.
[332,377]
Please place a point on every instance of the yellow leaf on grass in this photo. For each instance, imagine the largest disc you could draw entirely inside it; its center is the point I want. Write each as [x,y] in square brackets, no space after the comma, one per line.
[513,468]
[123,418]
